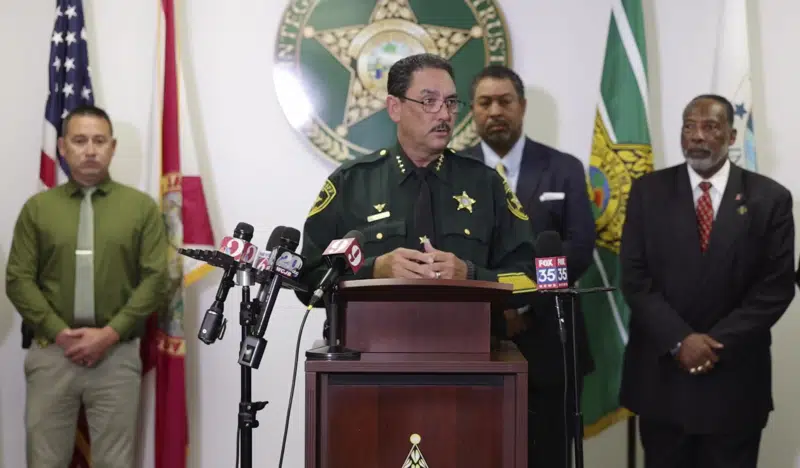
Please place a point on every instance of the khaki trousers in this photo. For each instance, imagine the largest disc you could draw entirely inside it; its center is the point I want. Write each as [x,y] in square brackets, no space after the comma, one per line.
[109,392]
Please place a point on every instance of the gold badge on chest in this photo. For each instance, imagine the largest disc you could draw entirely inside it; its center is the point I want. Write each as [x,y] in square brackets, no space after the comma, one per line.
[380,213]
[465,202]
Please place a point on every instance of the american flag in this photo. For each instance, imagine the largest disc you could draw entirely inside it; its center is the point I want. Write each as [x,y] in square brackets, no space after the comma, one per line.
[69,85]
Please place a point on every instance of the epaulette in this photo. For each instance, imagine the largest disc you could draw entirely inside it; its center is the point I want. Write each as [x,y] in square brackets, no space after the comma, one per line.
[365,159]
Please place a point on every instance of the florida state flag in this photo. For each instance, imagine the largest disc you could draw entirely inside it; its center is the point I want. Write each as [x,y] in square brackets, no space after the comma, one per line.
[185,212]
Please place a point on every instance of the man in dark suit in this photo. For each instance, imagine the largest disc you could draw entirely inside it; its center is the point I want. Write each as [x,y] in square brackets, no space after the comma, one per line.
[551,186]
[707,269]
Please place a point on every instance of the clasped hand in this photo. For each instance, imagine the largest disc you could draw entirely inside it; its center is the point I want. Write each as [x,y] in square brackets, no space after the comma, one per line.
[86,346]
[413,264]
[697,353]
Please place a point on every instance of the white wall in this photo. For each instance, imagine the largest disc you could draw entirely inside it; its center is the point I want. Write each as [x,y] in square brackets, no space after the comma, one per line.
[558,46]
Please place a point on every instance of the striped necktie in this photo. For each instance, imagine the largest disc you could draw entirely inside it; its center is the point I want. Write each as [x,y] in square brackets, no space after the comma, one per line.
[84,263]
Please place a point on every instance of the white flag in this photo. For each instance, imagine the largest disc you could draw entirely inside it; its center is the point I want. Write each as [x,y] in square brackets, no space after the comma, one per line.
[731,78]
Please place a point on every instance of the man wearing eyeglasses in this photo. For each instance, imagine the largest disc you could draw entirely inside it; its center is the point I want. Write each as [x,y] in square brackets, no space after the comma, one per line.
[425,210]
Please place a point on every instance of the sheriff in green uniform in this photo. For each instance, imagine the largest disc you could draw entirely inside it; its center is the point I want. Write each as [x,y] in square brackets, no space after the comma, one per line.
[425,211]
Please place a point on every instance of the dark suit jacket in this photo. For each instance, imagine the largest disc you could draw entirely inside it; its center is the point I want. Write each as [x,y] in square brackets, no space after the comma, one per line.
[734,292]
[545,169]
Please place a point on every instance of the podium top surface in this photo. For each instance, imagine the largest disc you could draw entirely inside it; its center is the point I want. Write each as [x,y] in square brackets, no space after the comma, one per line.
[400,290]
[504,358]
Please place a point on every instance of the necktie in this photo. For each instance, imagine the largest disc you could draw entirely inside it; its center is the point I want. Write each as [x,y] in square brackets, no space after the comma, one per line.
[423,209]
[84,263]
[501,168]
[705,215]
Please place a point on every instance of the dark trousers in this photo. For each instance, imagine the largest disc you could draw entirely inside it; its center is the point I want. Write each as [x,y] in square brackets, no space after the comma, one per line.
[668,446]
[550,429]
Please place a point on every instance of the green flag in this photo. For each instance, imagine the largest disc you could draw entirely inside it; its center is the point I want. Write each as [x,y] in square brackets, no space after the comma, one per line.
[620,153]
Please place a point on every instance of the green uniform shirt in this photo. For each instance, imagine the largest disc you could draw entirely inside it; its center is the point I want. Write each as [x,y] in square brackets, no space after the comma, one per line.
[130,259]
[477,216]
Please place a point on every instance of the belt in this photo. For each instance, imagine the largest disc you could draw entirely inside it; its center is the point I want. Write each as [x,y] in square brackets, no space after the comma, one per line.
[42,342]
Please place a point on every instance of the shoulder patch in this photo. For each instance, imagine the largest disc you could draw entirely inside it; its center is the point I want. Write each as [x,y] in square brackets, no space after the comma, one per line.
[325,197]
[513,203]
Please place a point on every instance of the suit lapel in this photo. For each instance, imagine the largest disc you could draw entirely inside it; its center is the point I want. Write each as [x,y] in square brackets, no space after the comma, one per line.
[731,218]
[531,172]
[477,153]
[684,219]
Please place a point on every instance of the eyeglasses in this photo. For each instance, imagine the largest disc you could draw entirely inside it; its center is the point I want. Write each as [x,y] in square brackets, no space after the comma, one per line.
[434,105]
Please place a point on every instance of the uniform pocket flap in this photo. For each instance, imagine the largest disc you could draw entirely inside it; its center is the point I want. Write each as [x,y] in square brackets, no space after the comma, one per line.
[475,231]
[380,232]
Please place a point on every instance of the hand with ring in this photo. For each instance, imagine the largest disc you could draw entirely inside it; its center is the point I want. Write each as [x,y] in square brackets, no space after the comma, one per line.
[706,366]
[698,353]
[445,264]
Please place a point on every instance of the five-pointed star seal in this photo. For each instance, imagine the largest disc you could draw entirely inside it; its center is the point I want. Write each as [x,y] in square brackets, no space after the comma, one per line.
[464,201]
[423,239]
[367,52]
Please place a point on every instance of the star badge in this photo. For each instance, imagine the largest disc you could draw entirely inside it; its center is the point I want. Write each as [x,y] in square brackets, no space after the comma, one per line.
[423,239]
[464,201]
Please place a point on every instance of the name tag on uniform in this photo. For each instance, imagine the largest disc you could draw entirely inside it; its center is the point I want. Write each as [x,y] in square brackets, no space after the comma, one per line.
[378,216]
[551,196]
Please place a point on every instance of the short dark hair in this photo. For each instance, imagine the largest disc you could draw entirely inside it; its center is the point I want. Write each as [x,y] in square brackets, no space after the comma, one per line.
[717,98]
[87,110]
[400,73]
[499,72]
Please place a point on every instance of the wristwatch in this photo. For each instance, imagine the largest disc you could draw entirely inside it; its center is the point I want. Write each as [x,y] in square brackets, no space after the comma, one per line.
[674,350]
[470,270]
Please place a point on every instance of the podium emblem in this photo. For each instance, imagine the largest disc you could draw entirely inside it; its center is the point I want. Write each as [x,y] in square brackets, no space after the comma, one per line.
[415,458]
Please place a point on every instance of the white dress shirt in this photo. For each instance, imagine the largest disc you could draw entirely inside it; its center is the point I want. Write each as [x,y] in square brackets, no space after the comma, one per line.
[718,183]
[512,161]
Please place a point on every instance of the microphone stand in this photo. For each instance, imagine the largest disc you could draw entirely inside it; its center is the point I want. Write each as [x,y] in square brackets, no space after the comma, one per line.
[572,377]
[333,351]
[247,409]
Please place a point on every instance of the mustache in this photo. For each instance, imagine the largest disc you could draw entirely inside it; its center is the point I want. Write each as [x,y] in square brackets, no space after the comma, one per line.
[497,123]
[442,127]
[698,151]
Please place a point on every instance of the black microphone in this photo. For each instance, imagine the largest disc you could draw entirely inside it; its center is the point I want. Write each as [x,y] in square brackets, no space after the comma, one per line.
[262,267]
[213,326]
[284,264]
[342,256]
[551,270]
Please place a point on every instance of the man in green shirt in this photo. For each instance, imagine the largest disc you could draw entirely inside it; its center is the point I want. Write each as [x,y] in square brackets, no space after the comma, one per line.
[87,266]
[425,210]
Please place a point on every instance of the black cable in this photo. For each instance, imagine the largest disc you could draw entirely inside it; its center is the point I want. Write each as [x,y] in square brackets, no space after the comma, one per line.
[562,318]
[294,381]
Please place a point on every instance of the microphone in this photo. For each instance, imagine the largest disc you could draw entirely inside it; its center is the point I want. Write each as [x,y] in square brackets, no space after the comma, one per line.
[262,264]
[552,277]
[342,256]
[551,270]
[231,252]
[283,264]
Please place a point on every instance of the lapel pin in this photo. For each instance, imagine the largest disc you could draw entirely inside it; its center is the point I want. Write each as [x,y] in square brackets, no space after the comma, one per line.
[739,197]
[742,210]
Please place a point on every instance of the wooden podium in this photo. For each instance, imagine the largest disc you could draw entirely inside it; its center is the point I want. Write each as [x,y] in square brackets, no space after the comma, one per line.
[424,380]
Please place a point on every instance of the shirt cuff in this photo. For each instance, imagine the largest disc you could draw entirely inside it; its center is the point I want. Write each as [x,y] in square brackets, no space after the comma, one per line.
[52,326]
[523,309]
